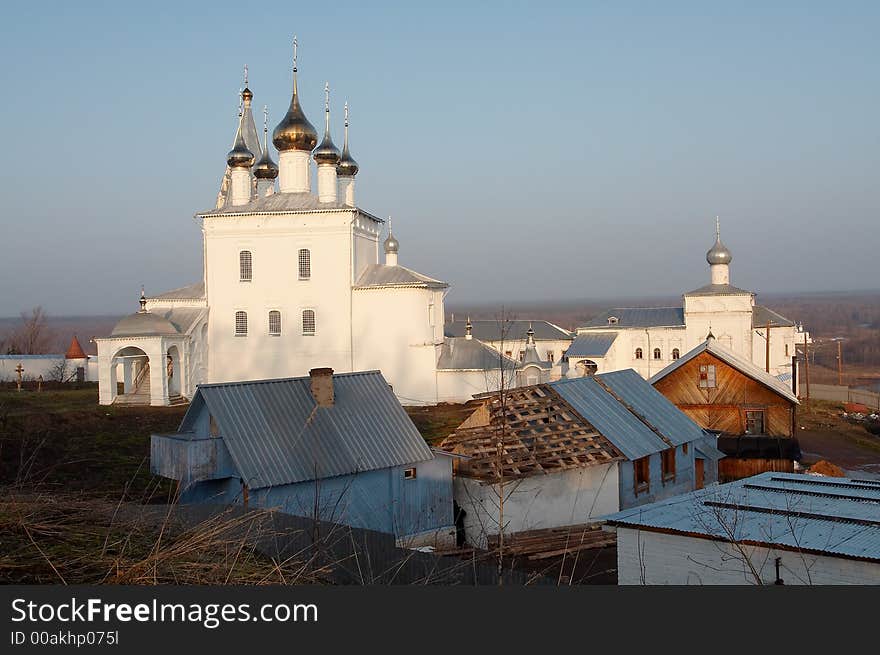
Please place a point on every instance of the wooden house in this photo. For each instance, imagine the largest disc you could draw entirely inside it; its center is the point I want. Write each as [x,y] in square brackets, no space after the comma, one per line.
[753,412]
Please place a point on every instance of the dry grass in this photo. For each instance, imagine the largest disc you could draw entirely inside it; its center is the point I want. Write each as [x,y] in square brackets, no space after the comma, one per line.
[60,539]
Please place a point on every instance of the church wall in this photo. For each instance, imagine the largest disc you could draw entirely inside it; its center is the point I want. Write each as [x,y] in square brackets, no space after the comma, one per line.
[729,318]
[366,251]
[544,346]
[622,354]
[396,331]
[274,242]
[459,386]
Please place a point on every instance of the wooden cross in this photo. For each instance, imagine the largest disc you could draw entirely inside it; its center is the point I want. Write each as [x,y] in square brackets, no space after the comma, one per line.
[19,369]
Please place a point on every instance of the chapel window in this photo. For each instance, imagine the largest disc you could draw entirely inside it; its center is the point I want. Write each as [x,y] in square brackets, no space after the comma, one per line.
[638,353]
[308,322]
[245,266]
[275,323]
[241,324]
[656,353]
[305,264]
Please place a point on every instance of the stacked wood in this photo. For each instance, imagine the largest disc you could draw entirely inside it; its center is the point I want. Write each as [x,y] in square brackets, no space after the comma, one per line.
[554,542]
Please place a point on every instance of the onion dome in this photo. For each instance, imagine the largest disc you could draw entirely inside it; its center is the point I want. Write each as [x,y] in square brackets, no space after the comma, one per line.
[347,166]
[265,168]
[718,254]
[294,132]
[392,245]
[240,156]
[247,95]
[327,153]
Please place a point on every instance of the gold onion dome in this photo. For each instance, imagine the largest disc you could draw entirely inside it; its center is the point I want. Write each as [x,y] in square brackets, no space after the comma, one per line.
[327,152]
[240,156]
[266,169]
[247,95]
[347,166]
[294,132]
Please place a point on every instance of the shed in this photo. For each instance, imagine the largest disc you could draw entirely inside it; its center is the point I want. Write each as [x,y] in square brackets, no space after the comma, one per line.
[338,448]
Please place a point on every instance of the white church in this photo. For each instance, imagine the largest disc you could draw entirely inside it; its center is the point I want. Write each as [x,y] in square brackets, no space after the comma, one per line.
[293,279]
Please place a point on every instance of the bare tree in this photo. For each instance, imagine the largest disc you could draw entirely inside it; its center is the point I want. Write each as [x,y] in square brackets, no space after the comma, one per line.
[32,336]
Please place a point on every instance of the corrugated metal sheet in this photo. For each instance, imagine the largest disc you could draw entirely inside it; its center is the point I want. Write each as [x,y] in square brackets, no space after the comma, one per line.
[745,367]
[591,344]
[653,406]
[512,331]
[838,516]
[614,421]
[277,435]
[379,275]
[461,354]
[707,448]
[629,317]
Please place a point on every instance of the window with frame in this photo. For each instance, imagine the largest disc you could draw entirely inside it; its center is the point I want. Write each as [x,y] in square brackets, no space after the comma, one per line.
[755,421]
[684,448]
[409,474]
[308,321]
[550,357]
[642,474]
[522,355]
[707,376]
[667,464]
[638,353]
[241,324]
[786,350]
[305,264]
[245,266]
[656,353]
[275,323]
[676,353]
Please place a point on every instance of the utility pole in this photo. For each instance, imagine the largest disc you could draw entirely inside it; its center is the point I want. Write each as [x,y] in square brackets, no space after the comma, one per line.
[807,370]
[767,348]
[839,363]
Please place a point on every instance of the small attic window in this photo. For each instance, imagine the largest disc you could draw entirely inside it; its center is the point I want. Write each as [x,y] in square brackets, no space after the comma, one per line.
[409,474]
[613,320]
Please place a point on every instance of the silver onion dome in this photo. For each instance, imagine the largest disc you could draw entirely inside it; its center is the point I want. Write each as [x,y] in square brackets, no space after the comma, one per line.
[266,169]
[391,244]
[326,153]
[347,166]
[718,254]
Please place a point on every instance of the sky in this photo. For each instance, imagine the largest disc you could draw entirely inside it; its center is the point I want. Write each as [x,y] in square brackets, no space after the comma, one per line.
[526,151]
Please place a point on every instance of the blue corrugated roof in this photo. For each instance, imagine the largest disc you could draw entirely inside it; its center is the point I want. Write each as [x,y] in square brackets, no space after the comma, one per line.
[639,317]
[277,435]
[605,413]
[591,344]
[653,406]
[837,516]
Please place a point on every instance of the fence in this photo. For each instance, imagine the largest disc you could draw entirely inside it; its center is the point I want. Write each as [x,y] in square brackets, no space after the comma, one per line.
[843,394]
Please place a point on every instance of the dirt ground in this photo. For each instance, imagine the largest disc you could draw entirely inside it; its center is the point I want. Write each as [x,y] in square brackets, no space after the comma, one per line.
[824,434]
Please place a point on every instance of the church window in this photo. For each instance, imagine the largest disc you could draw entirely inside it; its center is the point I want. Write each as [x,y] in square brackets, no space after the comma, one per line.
[786,350]
[707,376]
[275,323]
[522,355]
[550,356]
[309,322]
[245,266]
[656,353]
[676,353]
[638,353]
[305,264]
[241,324]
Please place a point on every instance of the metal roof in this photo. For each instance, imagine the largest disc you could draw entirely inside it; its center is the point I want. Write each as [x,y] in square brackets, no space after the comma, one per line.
[591,344]
[638,317]
[142,324]
[512,331]
[195,291]
[379,276]
[609,416]
[278,435]
[462,354]
[652,406]
[719,290]
[745,367]
[834,516]
[286,203]
[532,358]
[762,315]
[707,448]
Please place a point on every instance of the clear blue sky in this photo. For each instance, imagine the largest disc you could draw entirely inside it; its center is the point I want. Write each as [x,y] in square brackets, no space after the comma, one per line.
[526,150]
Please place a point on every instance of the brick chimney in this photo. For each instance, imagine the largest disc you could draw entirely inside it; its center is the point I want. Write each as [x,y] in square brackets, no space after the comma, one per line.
[322,386]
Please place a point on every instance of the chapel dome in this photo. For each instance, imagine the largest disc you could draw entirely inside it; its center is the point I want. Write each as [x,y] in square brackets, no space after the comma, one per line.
[142,324]
[718,254]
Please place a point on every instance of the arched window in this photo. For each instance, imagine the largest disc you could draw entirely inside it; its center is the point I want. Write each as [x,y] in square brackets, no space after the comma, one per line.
[309,322]
[241,324]
[638,353]
[656,353]
[305,264]
[275,323]
[675,353]
[245,266]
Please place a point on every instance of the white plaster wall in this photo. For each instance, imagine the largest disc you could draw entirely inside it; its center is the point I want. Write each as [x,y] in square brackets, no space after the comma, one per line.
[728,317]
[33,367]
[543,501]
[459,386]
[679,559]
[544,346]
[397,331]
[274,242]
[780,337]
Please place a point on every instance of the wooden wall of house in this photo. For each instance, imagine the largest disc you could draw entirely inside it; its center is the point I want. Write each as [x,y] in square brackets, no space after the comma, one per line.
[724,407]
[734,468]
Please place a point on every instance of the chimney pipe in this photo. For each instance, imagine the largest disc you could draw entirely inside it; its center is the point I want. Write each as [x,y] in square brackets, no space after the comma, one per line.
[322,386]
